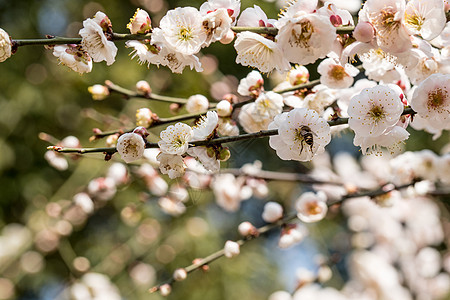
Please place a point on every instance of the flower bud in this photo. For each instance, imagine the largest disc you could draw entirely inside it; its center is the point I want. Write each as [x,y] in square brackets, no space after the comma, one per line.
[197,104]
[272,212]
[130,146]
[247,228]
[228,37]
[179,274]
[140,23]
[144,117]
[224,108]
[142,131]
[111,140]
[165,289]
[98,91]
[364,32]
[224,154]
[298,75]
[5,45]
[231,249]
[143,87]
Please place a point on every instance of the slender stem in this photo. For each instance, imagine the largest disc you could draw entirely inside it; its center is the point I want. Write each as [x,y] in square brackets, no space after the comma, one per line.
[220,140]
[58,40]
[281,176]
[132,94]
[264,229]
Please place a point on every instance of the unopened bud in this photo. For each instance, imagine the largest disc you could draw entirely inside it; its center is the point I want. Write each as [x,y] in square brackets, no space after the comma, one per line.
[228,37]
[165,289]
[224,154]
[143,87]
[232,98]
[142,131]
[247,229]
[224,108]
[144,117]
[179,274]
[174,107]
[364,32]
[98,91]
[111,140]
[5,45]
[231,249]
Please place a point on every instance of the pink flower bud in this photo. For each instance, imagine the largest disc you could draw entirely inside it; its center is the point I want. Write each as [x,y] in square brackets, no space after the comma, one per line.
[140,23]
[364,32]
[228,37]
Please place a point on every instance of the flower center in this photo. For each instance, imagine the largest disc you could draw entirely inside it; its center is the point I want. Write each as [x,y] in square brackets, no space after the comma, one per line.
[185,34]
[312,208]
[414,21]
[337,72]
[302,33]
[377,113]
[437,98]
[384,21]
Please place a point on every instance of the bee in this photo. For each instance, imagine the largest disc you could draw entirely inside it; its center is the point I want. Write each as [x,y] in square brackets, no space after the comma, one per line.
[307,136]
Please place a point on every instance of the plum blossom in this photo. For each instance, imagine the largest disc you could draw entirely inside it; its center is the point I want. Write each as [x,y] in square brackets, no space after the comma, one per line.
[251,85]
[140,23]
[256,51]
[306,37]
[311,207]
[302,133]
[292,234]
[144,117]
[431,100]
[391,139]
[131,146]
[224,108]
[425,18]
[94,40]
[171,164]
[175,139]
[233,7]
[387,19]
[73,57]
[5,45]
[217,24]
[374,110]
[254,17]
[336,76]
[183,30]
[98,91]
[204,129]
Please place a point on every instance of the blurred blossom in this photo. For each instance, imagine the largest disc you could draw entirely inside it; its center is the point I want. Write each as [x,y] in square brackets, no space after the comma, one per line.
[154,182]
[85,202]
[280,295]
[32,262]
[171,206]
[91,286]
[46,240]
[118,172]
[81,264]
[102,188]
[6,288]
[15,238]
[292,234]
[143,274]
[197,226]
[148,231]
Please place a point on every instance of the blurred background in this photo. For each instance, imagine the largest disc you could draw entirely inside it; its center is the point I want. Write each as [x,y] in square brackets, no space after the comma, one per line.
[46,244]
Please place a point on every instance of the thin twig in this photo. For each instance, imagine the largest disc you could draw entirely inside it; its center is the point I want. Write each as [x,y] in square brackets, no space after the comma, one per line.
[264,229]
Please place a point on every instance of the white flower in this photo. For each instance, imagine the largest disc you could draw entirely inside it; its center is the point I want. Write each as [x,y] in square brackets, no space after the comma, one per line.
[391,139]
[227,126]
[273,211]
[261,53]
[172,207]
[224,108]
[306,38]
[74,57]
[425,18]
[171,57]
[56,160]
[431,100]
[217,24]
[311,207]
[175,139]
[246,229]
[256,116]
[94,40]
[233,7]
[336,76]
[179,274]
[254,17]
[280,295]
[102,188]
[205,127]
[251,85]
[298,75]
[374,110]
[5,45]
[197,104]
[231,249]
[291,235]
[118,172]
[386,16]
[206,156]
[183,30]
[146,53]
[227,191]
[156,185]
[84,201]
[140,23]
[302,133]
[144,117]
[171,164]
[443,168]
[130,146]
